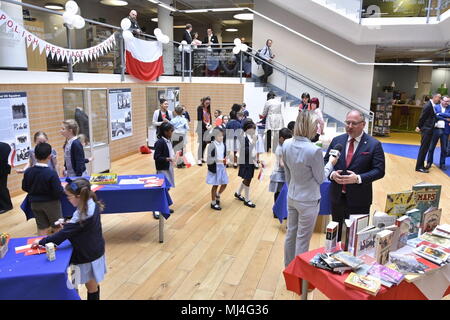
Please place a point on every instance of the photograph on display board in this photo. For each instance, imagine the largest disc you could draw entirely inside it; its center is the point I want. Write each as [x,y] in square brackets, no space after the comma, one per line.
[120,110]
[14,125]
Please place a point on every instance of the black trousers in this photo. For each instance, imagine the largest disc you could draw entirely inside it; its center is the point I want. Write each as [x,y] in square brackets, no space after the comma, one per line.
[424,147]
[268,70]
[5,198]
[268,140]
[341,211]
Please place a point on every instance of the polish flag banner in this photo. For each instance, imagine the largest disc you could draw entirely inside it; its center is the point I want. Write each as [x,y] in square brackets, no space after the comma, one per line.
[144,59]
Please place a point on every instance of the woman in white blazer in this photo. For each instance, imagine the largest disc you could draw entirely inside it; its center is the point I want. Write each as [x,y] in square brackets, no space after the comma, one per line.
[304,172]
[274,118]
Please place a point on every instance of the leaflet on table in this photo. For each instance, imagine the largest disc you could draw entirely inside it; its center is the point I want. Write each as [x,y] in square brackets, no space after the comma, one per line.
[27,248]
[146,181]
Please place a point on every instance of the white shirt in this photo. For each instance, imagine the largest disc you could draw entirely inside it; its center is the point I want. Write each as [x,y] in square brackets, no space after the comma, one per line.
[41,165]
[441,123]
[90,212]
[169,145]
[220,149]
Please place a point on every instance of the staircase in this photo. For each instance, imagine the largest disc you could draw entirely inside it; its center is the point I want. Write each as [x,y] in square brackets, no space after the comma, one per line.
[255,96]
[347,8]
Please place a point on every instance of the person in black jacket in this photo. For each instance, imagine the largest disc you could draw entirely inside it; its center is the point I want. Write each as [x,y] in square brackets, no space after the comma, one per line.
[84,231]
[425,126]
[5,169]
[210,39]
[44,190]
[217,173]
[135,29]
[247,160]
[164,156]
[74,159]
[187,36]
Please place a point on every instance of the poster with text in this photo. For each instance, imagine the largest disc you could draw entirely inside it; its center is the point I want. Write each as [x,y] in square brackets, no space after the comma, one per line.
[120,113]
[15,125]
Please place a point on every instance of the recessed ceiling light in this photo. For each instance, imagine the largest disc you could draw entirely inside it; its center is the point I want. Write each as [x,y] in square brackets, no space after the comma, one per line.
[114,3]
[243,16]
[231,29]
[423,60]
[180,27]
[154,19]
[54,6]
[232,22]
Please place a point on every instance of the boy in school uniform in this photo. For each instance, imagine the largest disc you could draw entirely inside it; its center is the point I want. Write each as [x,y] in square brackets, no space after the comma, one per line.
[44,189]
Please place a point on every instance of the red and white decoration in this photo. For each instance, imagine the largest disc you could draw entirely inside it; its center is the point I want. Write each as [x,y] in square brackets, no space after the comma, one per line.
[144,59]
[62,54]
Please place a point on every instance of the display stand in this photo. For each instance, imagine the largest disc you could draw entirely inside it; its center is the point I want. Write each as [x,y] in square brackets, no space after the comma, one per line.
[383,115]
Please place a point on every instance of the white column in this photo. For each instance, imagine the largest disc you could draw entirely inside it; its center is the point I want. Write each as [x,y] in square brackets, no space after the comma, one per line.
[165,23]
[13,53]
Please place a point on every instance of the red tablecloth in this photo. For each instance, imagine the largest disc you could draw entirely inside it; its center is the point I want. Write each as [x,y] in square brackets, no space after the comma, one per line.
[332,285]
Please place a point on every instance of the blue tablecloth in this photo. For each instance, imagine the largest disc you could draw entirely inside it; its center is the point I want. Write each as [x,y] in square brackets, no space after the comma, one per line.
[280,206]
[34,277]
[120,198]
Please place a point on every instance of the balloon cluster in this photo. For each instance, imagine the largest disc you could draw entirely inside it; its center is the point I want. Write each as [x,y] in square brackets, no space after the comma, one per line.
[70,16]
[160,36]
[184,46]
[239,46]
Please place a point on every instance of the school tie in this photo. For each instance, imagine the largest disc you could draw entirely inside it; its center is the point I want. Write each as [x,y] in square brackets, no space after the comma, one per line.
[348,159]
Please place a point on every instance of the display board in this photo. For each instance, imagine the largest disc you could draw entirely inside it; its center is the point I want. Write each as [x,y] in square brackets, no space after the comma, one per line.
[120,111]
[15,125]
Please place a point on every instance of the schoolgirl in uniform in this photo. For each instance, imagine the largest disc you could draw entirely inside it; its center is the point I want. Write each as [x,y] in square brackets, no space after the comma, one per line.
[217,173]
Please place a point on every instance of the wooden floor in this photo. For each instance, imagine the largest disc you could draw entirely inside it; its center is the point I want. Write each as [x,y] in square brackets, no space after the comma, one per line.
[236,253]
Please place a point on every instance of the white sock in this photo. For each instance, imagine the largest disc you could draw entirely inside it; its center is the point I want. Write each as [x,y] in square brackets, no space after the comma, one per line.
[217,195]
[213,202]
[241,187]
[247,193]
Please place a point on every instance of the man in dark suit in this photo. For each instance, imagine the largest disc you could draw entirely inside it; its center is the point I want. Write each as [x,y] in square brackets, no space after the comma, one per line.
[188,38]
[5,169]
[210,39]
[134,24]
[425,127]
[361,162]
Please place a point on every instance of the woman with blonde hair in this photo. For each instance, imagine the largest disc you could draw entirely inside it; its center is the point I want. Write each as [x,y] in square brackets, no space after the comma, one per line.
[304,172]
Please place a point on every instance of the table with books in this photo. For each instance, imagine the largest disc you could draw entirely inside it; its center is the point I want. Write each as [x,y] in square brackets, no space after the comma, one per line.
[33,277]
[126,193]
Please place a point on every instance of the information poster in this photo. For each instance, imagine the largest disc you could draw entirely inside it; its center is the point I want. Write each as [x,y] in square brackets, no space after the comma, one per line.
[15,125]
[120,111]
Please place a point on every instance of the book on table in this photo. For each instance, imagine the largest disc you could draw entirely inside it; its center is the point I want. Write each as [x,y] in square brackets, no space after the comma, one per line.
[331,236]
[386,274]
[398,203]
[416,219]
[103,178]
[426,195]
[348,259]
[443,242]
[381,219]
[365,241]
[444,228]
[358,222]
[368,284]
[439,233]
[383,242]
[430,219]
[404,224]
[434,255]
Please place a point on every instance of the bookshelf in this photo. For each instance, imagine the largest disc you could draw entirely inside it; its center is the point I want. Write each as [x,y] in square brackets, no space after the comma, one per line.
[383,115]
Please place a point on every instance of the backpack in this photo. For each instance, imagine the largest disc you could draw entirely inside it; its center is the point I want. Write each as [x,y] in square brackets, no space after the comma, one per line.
[258,61]
[145,150]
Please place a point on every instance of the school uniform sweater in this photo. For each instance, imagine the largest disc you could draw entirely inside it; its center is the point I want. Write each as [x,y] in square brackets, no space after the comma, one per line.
[42,184]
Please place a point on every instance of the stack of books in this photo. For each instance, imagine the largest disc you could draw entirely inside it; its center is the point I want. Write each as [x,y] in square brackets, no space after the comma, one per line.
[368,284]
[103,178]
[337,262]
[433,254]
[442,231]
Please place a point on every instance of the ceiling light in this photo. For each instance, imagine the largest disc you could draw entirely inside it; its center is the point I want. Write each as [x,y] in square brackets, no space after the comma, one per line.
[166,6]
[243,16]
[232,22]
[154,1]
[196,10]
[213,10]
[114,3]
[423,60]
[180,27]
[154,19]
[54,6]
[231,30]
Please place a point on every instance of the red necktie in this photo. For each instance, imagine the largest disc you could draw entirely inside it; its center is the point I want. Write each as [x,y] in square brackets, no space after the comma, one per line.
[348,159]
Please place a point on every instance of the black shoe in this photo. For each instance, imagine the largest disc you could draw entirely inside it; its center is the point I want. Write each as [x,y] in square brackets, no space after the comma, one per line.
[94,295]
[423,170]
[443,167]
[171,211]
[428,166]
[216,207]
[235,165]
[156,215]
[238,196]
[249,204]
[179,166]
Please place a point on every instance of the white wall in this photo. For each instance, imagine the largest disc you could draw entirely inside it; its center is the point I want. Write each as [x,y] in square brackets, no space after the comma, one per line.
[348,79]
[405,78]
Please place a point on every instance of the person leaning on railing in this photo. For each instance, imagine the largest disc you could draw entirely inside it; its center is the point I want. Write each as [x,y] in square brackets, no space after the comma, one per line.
[266,54]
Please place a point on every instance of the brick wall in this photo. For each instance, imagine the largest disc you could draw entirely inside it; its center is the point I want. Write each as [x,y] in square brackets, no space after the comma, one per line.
[45,105]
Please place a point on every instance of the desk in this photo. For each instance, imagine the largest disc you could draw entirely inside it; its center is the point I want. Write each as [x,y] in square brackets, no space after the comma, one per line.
[280,206]
[300,275]
[119,198]
[414,115]
[34,277]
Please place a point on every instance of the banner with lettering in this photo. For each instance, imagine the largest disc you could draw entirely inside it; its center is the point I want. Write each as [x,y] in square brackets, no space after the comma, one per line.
[60,53]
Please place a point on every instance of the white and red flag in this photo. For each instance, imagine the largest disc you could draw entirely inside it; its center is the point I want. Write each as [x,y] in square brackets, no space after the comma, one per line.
[144,59]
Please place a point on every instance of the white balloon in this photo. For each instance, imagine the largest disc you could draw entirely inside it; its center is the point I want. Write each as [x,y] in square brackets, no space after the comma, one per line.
[71,7]
[165,39]
[127,35]
[183,42]
[180,48]
[236,50]
[244,47]
[68,18]
[157,32]
[78,22]
[237,41]
[125,24]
